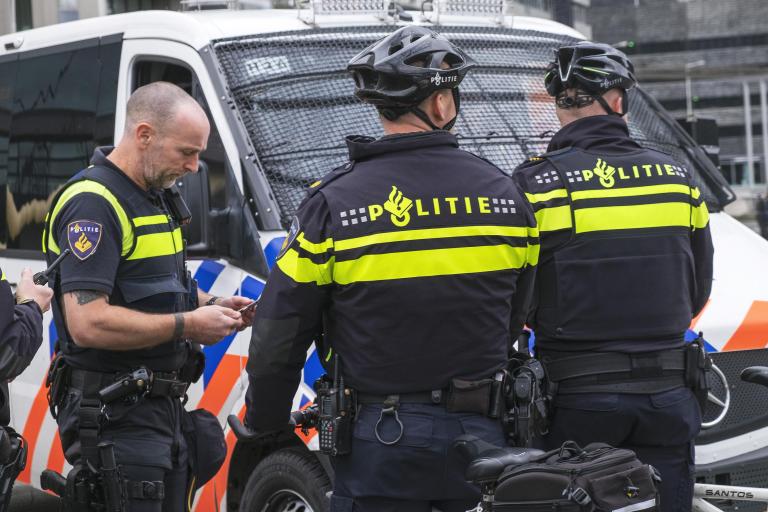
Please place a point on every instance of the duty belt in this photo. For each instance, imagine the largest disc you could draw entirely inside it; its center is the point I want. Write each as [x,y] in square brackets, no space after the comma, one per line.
[617,372]
[162,384]
[437,397]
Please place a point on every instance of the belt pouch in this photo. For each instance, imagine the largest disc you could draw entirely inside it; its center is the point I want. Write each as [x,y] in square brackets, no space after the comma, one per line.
[470,396]
[697,366]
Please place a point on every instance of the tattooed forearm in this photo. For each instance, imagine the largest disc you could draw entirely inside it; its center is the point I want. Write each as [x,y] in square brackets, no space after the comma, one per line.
[86,296]
[178,330]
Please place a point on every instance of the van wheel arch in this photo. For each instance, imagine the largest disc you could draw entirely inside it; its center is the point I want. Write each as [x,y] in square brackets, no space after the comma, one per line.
[246,456]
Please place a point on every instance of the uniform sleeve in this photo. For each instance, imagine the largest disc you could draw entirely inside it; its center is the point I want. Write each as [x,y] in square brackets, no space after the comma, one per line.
[521,302]
[549,200]
[702,249]
[289,317]
[94,260]
[21,333]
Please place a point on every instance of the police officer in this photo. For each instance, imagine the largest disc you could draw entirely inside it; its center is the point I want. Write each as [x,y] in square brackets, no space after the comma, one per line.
[626,262]
[21,332]
[415,260]
[126,309]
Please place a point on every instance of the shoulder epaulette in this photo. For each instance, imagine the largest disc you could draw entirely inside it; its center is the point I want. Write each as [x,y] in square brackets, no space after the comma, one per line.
[556,152]
[325,180]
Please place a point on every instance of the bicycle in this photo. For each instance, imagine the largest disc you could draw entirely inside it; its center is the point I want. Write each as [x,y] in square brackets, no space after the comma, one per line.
[488,462]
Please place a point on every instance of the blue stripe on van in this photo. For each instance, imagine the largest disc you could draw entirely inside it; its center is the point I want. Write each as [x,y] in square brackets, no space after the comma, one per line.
[313,369]
[52,337]
[273,249]
[207,273]
[250,288]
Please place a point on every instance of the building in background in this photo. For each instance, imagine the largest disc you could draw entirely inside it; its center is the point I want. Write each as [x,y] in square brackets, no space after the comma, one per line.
[706,59]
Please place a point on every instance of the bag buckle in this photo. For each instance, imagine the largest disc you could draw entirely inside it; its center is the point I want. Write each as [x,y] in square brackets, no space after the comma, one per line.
[580,496]
[391,404]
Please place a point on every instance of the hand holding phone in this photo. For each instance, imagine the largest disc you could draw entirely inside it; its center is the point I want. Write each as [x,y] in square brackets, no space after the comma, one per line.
[248,306]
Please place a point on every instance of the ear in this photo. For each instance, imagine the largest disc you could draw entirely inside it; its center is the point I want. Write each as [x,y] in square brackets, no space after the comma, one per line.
[144,133]
[441,106]
[616,105]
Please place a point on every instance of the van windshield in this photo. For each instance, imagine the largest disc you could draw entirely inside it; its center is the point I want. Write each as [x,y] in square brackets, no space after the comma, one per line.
[296,101]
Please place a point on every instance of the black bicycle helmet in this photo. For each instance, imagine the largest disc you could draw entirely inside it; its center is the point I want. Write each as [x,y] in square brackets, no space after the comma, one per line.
[401,70]
[590,67]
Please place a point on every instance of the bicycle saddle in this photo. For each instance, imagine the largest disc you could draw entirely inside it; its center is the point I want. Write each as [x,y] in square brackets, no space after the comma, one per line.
[755,375]
[486,461]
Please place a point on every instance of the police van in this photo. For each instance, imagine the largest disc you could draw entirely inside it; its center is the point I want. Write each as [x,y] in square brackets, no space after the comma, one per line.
[280,103]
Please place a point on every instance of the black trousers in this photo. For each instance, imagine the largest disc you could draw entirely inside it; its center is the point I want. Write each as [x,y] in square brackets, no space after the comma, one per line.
[660,428]
[418,472]
[149,447]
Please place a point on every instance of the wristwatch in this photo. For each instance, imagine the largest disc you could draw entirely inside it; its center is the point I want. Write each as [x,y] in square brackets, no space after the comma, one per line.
[20,301]
[212,301]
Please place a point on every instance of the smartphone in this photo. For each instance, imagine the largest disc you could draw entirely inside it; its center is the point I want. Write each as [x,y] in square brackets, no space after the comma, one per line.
[248,306]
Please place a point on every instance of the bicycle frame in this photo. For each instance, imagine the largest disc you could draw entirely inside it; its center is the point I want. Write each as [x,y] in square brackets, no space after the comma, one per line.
[703,492]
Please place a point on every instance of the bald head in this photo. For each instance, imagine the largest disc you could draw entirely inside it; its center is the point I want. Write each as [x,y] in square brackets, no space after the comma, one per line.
[157,104]
[165,132]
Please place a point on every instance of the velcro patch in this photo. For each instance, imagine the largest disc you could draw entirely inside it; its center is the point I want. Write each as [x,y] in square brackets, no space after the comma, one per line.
[84,237]
[293,232]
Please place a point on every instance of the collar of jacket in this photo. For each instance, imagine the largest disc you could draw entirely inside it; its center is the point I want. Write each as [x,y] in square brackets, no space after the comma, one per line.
[361,147]
[606,133]
[99,157]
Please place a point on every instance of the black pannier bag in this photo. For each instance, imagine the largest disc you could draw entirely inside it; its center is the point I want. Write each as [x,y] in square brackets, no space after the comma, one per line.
[597,478]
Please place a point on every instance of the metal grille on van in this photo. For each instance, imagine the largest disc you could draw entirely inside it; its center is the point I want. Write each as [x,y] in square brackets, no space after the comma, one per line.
[297,102]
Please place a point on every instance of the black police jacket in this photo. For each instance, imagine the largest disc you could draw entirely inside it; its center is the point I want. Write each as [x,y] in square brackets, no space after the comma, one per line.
[414,260]
[626,252]
[21,333]
[124,244]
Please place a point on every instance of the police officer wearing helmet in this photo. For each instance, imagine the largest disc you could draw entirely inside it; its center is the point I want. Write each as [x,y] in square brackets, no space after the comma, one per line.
[625,264]
[415,260]
[128,314]
[21,332]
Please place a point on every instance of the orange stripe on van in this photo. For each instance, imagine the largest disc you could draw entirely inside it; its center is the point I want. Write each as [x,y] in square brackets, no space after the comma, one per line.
[208,499]
[32,428]
[56,456]
[221,384]
[753,331]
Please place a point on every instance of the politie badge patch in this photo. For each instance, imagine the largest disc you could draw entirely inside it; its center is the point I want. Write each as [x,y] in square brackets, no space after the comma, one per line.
[84,236]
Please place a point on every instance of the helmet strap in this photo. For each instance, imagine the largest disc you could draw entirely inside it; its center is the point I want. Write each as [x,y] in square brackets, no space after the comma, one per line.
[599,98]
[447,126]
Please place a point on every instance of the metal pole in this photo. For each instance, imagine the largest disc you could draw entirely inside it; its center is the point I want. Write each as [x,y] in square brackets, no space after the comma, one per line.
[748,131]
[688,99]
[764,124]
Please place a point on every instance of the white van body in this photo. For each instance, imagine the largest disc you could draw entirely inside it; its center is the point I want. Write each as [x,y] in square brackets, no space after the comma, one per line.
[128,50]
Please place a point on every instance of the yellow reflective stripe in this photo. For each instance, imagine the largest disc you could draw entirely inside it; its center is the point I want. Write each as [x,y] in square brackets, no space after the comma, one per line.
[427,263]
[695,192]
[2,276]
[150,220]
[533,254]
[304,270]
[428,234]
[552,219]
[631,191]
[314,248]
[88,186]
[546,196]
[157,244]
[699,216]
[633,217]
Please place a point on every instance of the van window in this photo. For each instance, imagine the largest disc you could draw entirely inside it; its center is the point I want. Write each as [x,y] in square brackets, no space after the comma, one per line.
[55,107]
[148,71]
[297,104]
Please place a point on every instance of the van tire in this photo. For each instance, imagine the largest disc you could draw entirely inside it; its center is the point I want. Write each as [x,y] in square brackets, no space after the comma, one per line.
[287,481]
